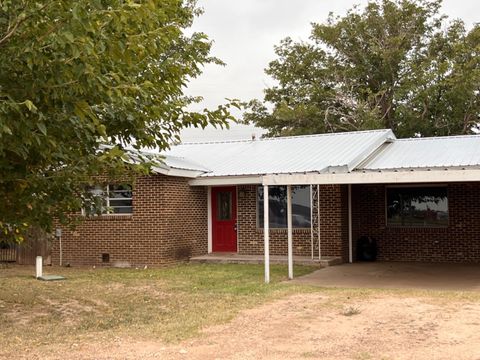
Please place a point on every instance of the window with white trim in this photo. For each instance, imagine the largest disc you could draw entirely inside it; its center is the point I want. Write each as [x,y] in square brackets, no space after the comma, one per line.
[112,199]
[277,206]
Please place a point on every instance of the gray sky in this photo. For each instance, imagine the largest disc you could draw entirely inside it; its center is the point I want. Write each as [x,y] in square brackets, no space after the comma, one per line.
[245,32]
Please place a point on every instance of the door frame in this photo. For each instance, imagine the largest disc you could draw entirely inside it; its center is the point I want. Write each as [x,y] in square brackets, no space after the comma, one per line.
[210,216]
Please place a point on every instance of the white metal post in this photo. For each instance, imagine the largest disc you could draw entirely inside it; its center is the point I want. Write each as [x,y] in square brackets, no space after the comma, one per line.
[209,219]
[266,230]
[311,220]
[350,245]
[289,226]
[318,216]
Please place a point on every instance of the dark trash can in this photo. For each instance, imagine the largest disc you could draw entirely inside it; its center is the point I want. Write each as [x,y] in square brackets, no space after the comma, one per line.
[366,249]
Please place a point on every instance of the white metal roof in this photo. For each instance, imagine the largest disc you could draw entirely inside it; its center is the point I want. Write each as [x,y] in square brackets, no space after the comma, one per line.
[324,153]
[182,163]
[426,153]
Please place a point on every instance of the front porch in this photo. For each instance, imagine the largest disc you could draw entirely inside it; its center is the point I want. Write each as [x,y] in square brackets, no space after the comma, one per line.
[235,258]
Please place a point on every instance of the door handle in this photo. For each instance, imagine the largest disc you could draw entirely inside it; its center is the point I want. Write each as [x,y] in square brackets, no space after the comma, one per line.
[235,227]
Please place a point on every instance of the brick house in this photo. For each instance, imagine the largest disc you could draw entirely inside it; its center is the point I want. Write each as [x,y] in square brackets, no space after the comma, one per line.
[418,198]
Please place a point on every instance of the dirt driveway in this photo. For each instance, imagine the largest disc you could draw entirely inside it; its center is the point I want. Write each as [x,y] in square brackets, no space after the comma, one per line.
[382,326]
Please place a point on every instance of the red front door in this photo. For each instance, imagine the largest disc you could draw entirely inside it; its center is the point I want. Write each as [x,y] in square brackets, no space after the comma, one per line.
[224,219]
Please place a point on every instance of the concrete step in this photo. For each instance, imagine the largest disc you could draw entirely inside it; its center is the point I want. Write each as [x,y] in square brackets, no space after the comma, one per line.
[233,258]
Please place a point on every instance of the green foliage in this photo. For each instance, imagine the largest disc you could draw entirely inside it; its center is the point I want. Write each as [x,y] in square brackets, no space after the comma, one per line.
[76,74]
[394,64]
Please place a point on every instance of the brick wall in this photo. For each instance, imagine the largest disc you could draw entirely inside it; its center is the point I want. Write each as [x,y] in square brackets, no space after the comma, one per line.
[168,224]
[334,222]
[459,242]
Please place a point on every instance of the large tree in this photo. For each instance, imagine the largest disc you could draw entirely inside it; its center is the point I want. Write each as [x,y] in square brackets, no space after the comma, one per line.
[75,75]
[394,64]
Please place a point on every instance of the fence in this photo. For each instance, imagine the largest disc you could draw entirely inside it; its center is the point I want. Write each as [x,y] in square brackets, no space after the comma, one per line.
[8,252]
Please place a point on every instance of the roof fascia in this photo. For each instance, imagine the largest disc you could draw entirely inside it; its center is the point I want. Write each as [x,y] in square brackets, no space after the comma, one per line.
[226,180]
[389,177]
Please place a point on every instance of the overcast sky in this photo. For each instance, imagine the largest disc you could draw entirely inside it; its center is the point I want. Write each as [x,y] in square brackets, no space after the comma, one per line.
[245,31]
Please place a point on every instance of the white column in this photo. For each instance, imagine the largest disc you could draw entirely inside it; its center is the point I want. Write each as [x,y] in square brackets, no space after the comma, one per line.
[311,220]
[266,234]
[350,245]
[289,226]
[319,224]
[209,219]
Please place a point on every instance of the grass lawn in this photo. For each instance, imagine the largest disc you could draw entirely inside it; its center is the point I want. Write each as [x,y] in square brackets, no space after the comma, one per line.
[168,304]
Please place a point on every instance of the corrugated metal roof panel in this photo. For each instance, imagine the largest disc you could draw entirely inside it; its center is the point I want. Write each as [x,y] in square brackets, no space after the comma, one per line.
[182,163]
[426,153]
[283,155]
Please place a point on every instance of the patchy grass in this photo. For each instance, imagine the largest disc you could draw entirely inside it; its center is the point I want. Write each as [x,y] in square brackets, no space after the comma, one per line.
[169,304]
[164,305]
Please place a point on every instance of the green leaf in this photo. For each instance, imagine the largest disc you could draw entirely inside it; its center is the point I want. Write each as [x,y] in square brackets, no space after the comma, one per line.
[30,106]
[41,126]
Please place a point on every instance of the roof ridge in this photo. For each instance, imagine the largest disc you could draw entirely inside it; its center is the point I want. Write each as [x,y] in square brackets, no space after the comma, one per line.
[282,137]
[439,137]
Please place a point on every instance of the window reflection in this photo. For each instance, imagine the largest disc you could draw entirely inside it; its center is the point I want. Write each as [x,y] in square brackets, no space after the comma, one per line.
[278,206]
[417,206]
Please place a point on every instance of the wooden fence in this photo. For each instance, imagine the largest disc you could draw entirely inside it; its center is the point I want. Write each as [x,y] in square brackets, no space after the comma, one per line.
[36,243]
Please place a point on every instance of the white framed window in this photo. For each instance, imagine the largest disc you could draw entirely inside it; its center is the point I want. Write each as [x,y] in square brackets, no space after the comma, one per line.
[278,207]
[112,199]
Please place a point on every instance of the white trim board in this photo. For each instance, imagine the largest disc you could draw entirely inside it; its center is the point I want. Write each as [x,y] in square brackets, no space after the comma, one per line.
[393,177]
[226,181]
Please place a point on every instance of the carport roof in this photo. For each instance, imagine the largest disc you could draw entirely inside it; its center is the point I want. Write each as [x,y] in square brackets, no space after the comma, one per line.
[426,153]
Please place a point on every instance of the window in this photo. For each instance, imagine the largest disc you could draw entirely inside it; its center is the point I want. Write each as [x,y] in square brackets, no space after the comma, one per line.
[112,199]
[224,205]
[278,206]
[417,206]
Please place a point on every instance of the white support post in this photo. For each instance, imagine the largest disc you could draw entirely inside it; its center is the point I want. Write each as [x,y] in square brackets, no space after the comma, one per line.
[266,233]
[209,219]
[311,220]
[39,267]
[289,226]
[319,223]
[350,245]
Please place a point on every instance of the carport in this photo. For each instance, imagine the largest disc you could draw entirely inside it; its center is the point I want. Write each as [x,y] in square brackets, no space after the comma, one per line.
[397,275]
[418,199]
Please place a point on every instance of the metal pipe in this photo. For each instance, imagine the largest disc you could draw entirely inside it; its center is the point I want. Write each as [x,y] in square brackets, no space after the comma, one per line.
[266,233]
[290,235]
[318,216]
[311,220]
[350,235]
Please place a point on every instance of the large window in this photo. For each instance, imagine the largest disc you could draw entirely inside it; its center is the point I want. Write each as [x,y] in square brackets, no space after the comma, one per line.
[417,206]
[112,199]
[278,206]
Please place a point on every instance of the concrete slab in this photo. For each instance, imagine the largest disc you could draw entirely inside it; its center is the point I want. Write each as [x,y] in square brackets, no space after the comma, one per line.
[392,275]
[51,278]
[234,258]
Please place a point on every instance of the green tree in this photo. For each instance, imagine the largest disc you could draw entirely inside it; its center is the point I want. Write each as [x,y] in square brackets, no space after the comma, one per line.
[394,64]
[78,74]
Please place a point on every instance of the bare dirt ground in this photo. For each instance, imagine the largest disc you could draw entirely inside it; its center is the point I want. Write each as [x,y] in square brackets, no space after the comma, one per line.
[317,326]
